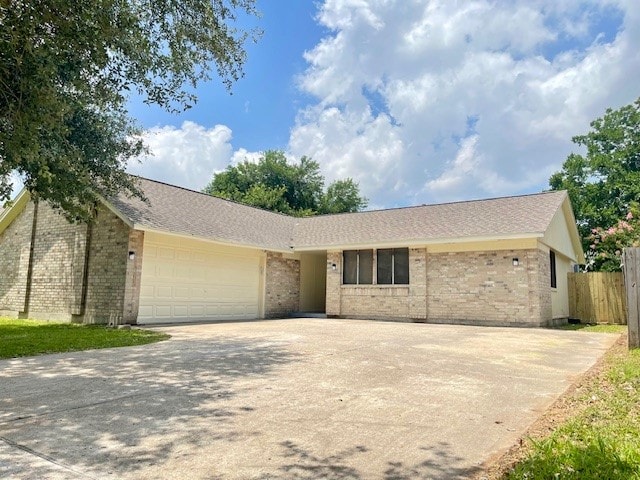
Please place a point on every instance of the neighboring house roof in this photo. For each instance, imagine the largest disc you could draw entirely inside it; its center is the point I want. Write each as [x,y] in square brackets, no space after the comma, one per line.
[178,210]
[526,215]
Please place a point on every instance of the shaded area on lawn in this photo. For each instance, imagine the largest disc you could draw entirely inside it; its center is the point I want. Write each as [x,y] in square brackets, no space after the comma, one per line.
[23,338]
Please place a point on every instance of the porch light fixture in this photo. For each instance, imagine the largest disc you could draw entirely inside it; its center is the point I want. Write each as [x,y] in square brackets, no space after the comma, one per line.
[515,262]
[132,255]
[333,266]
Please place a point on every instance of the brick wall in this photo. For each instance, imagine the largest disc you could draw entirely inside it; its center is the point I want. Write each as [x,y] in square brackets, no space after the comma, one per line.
[543,295]
[462,287]
[282,285]
[483,287]
[15,244]
[133,277]
[58,266]
[59,259]
[108,257]
[334,279]
[379,301]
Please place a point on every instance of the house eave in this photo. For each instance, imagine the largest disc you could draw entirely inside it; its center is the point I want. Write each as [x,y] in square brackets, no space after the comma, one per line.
[217,241]
[418,242]
[18,205]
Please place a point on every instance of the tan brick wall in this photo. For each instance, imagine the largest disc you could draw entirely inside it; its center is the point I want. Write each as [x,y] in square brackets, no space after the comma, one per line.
[462,287]
[282,285]
[108,260]
[484,287]
[543,297]
[379,301]
[58,267]
[15,244]
[334,279]
[133,277]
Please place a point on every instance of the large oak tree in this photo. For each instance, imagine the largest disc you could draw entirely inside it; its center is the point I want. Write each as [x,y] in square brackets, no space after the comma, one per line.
[67,68]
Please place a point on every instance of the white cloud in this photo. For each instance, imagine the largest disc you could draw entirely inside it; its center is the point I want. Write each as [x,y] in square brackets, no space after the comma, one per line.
[437,100]
[186,156]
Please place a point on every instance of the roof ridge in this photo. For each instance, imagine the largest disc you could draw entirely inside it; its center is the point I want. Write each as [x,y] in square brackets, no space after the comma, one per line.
[455,202]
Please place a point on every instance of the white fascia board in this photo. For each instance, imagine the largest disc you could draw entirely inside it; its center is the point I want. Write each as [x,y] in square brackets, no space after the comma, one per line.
[18,204]
[419,243]
[227,243]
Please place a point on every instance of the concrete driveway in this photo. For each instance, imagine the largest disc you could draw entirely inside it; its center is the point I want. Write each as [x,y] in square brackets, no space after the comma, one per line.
[286,399]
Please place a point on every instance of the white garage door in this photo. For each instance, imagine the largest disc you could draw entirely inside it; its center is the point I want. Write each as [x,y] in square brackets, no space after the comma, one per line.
[187,280]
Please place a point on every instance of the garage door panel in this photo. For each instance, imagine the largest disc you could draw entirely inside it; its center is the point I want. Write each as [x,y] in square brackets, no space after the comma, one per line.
[197,281]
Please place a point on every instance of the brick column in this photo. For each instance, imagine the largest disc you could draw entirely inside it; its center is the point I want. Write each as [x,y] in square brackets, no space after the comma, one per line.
[418,283]
[333,282]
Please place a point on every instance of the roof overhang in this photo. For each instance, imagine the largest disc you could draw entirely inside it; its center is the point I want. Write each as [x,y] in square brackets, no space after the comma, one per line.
[17,206]
[217,241]
[424,242]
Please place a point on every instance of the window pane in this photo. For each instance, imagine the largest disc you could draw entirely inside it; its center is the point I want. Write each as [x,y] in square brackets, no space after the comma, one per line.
[384,266]
[366,267]
[552,264]
[401,266]
[350,267]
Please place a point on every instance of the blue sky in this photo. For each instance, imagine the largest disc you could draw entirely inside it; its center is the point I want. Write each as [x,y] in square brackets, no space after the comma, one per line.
[421,101]
[262,106]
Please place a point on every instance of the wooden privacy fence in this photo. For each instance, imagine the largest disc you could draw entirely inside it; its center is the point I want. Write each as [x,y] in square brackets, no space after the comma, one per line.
[597,297]
[631,268]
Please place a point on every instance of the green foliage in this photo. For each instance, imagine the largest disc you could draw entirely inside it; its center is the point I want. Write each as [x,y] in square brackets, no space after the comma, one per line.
[342,196]
[604,183]
[293,189]
[66,69]
[606,245]
[603,440]
[23,338]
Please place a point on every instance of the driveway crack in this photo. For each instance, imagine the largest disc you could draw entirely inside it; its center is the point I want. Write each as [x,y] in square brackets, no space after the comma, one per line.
[45,457]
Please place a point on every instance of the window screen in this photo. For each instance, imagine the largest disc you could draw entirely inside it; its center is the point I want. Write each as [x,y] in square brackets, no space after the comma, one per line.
[365,267]
[393,266]
[357,267]
[401,266]
[552,265]
[385,266]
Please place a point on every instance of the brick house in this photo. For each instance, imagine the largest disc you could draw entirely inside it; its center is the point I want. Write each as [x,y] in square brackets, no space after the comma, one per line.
[187,256]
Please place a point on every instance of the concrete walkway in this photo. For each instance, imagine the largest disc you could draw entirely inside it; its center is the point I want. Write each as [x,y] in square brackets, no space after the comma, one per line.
[286,399]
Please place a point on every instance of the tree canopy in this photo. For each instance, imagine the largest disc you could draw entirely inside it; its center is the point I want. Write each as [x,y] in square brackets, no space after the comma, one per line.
[292,188]
[604,183]
[67,69]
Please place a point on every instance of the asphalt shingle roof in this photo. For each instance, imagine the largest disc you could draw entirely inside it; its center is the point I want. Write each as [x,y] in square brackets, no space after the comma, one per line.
[178,210]
[499,217]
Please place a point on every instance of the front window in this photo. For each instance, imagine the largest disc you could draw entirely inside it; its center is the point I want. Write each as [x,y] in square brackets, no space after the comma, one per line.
[393,266]
[358,267]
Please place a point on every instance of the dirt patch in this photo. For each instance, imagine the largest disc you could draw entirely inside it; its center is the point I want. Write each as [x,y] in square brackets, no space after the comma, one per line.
[572,402]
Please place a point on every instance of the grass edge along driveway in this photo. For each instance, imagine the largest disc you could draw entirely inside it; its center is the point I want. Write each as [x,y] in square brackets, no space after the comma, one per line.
[593,433]
[24,338]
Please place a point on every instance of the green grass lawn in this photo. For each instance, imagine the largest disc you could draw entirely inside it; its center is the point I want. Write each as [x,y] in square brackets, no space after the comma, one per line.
[601,440]
[591,327]
[23,338]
